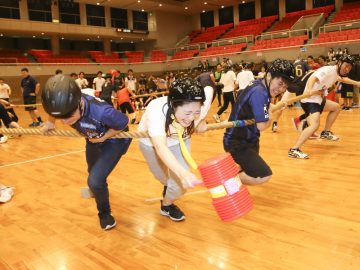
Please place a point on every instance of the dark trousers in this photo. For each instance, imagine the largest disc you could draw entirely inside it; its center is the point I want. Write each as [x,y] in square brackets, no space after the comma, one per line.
[102,159]
[228,98]
[4,116]
[218,93]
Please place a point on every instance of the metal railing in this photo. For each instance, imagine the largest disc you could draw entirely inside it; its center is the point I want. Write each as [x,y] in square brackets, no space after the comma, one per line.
[331,27]
[233,40]
[282,34]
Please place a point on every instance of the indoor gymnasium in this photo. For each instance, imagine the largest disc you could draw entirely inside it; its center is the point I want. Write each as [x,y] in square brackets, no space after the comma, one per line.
[179,134]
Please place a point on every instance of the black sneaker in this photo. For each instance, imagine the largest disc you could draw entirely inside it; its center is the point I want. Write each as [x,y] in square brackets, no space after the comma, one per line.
[107,221]
[172,211]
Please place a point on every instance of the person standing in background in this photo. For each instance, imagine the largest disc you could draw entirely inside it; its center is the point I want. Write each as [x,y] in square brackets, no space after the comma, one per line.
[98,83]
[81,81]
[29,89]
[217,75]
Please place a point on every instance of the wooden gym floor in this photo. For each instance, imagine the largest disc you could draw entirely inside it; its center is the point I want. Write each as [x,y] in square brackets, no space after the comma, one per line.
[306,218]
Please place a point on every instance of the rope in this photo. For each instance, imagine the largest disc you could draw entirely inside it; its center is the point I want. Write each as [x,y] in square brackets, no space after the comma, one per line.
[151,95]
[23,105]
[141,134]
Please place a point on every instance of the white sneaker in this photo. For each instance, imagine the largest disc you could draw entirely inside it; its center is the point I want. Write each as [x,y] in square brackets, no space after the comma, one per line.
[6,194]
[328,135]
[4,139]
[217,118]
[297,153]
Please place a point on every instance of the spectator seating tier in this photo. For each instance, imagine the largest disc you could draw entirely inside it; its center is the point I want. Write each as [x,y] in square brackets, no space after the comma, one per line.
[233,48]
[279,42]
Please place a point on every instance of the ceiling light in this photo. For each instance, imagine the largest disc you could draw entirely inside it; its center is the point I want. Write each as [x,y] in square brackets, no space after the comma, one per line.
[34,36]
[203,11]
[110,40]
[222,6]
[243,2]
[62,37]
[205,3]
[1,35]
[42,33]
[160,5]
[98,36]
[88,39]
[132,41]
[98,4]
[121,38]
[186,7]
[143,10]
[139,1]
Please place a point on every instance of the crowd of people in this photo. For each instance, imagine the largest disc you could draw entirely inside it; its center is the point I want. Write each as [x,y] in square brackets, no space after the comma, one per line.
[98,111]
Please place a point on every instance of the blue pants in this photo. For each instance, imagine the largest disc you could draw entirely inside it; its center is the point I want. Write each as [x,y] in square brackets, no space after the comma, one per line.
[102,159]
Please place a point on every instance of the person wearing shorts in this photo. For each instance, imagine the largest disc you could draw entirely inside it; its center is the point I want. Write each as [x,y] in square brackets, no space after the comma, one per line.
[317,85]
[253,103]
[30,88]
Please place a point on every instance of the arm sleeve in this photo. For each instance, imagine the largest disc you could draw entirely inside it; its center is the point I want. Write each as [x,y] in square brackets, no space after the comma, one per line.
[114,119]
[156,120]
[209,92]
[259,102]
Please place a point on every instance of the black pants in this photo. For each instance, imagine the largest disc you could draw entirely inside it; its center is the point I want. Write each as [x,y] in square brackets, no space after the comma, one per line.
[102,159]
[228,98]
[218,93]
[4,116]
[11,110]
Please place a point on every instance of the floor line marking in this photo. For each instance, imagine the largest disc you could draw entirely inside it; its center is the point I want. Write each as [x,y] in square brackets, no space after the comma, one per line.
[42,158]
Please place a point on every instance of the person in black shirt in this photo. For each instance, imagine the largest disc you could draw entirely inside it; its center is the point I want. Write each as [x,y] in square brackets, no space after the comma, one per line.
[30,88]
[107,90]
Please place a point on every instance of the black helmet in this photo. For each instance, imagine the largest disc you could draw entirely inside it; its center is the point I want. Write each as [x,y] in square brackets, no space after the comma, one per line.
[347,59]
[61,96]
[344,59]
[282,68]
[186,89]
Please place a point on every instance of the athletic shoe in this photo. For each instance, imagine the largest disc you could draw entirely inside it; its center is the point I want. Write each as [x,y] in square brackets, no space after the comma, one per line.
[217,118]
[274,127]
[172,211]
[3,139]
[107,221]
[328,135]
[297,153]
[296,122]
[6,193]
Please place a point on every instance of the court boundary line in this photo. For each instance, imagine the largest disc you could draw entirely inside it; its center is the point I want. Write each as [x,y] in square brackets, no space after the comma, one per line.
[42,158]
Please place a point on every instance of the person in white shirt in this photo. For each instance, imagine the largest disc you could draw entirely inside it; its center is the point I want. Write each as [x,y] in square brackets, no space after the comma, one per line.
[228,79]
[130,80]
[261,73]
[245,77]
[81,81]
[162,150]
[5,92]
[98,83]
[317,85]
